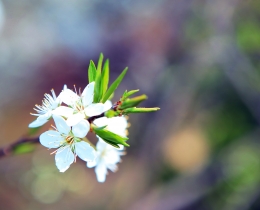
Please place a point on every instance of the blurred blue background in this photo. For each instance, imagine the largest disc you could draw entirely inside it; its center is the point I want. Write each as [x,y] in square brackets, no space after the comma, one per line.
[199,61]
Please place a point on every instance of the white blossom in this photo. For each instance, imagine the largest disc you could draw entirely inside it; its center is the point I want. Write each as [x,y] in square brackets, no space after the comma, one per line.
[107,155]
[82,106]
[50,105]
[107,158]
[69,142]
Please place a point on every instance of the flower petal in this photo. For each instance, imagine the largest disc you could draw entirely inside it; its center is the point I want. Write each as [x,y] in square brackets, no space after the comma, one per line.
[64,158]
[101,172]
[94,109]
[68,97]
[37,123]
[112,167]
[45,116]
[81,129]
[107,105]
[101,145]
[117,125]
[112,156]
[85,151]
[63,111]
[61,124]
[91,164]
[100,122]
[75,119]
[51,139]
[88,94]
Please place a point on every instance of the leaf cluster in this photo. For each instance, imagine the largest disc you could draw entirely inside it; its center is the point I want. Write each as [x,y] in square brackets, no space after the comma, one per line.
[125,106]
[100,75]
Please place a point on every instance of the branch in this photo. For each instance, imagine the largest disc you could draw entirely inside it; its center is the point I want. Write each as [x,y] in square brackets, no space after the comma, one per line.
[5,151]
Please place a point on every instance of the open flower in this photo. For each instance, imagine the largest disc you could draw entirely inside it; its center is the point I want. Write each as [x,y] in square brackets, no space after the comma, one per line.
[116,125]
[108,156]
[82,106]
[69,142]
[50,105]
[44,111]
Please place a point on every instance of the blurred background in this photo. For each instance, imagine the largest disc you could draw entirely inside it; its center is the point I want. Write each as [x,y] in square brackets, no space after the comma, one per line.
[199,61]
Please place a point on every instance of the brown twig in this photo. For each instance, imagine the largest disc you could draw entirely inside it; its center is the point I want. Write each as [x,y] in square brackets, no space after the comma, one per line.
[8,150]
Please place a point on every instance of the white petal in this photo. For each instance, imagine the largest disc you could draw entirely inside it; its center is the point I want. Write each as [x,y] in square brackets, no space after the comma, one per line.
[63,111]
[61,124]
[101,145]
[112,156]
[117,125]
[94,109]
[100,122]
[64,158]
[81,129]
[112,167]
[51,139]
[88,94]
[37,123]
[45,116]
[92,164]
[85,151]
[68,97]
[101,172]
[75,119]
[107,105]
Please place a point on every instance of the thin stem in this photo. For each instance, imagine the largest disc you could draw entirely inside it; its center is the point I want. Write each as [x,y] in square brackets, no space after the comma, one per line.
[8,150]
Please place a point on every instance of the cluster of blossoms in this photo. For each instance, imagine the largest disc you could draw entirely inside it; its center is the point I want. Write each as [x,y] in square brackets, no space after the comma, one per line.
[75,114]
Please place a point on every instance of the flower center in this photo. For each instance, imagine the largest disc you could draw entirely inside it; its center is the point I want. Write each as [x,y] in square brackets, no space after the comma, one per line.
[69,139]
[79,106]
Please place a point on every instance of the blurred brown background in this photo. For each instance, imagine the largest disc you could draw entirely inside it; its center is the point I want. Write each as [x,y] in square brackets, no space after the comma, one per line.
[199,61]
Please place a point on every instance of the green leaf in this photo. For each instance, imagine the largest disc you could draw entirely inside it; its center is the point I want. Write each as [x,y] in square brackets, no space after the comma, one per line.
[111,96]
[132,102]
[111,113]
[110,136]
[24,148]
[100,61]
[33,131]
[114,85]
[91,72]
[127,94]
[140,110]
[111,143]
[105,77]
[101,128]
[97,88]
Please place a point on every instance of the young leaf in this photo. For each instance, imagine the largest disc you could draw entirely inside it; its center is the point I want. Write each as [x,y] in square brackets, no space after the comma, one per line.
[91,72]
[101,128]
[140,110]
[132,102]
[114,85]
[111,143]
[128,94]
[111,113]
[97,88]
[110,136]
[100,61]
[24,148]
[33,131]
[105,77]
[111,97]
